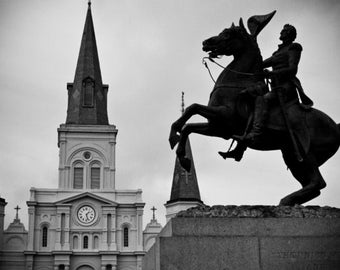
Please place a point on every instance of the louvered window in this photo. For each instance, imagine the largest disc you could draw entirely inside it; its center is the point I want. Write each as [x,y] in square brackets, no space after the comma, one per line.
[86,242]
[109,228]
[78,178]
[126,237]
[62,236]
[88,89]
[95,178]
[44,236]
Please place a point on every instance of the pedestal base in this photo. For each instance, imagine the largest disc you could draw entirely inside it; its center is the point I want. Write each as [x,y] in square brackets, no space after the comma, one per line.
[215,242]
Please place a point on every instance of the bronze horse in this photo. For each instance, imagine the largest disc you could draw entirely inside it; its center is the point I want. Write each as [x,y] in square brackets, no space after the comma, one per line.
[227,113]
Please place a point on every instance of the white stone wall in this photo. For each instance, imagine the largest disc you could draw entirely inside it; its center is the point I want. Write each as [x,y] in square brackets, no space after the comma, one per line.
[47,206]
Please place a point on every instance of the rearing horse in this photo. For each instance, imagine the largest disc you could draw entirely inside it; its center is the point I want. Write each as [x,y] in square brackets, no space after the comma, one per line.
[228,114]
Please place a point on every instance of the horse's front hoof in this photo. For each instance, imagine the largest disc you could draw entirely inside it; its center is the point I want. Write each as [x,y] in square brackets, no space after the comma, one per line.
[173,140]
[185,163]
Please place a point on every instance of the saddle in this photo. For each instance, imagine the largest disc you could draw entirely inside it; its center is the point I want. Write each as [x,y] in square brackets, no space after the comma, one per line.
[296,114]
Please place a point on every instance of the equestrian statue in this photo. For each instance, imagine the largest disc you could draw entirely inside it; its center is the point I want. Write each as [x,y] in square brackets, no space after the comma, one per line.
[262,109]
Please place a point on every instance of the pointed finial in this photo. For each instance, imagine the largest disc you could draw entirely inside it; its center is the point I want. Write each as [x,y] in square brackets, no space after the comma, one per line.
[182,102]
[153,212]
[89,3]
[17,214]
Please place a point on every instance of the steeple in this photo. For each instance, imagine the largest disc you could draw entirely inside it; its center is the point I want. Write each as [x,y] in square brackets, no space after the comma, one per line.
[184,184]
[87,141]
[184,191]
[87,95]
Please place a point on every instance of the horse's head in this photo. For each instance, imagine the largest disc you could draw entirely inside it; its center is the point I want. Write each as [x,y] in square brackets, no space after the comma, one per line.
[231,41]
[235,39]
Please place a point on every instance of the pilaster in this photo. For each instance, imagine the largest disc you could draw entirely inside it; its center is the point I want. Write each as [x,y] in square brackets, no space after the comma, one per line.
[139,229]
[109,238]
[113,244]
[2,220]
[104,243]
[31,226]
[57,245]
[112,168]
[67,232]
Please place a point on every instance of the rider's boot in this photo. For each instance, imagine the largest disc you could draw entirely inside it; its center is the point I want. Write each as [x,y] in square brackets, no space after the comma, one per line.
[236,154]
[260,116]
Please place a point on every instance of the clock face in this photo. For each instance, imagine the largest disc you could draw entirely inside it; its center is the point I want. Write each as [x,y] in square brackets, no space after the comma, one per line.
[86,214]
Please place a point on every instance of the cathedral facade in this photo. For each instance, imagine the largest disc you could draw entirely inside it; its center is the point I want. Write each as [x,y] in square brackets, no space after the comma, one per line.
[85,223]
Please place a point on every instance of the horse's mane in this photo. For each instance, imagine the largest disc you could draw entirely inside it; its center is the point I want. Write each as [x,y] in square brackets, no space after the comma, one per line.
[248,39]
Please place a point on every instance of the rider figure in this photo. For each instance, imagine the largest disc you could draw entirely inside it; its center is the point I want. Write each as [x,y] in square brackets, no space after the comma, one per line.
[284,63]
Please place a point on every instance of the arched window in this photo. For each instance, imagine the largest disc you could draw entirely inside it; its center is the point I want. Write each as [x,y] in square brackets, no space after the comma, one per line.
[95,176]
[85,242]
[126,237]
[88,92]
[44,237]
[78,176]
[108,267]
[75,242]
[95,242]
[61,267]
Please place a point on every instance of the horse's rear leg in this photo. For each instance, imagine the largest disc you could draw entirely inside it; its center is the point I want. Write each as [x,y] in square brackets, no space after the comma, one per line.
[195,109]
[309,176]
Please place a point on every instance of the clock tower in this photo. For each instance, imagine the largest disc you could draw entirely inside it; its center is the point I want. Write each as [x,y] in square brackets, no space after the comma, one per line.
[86,223]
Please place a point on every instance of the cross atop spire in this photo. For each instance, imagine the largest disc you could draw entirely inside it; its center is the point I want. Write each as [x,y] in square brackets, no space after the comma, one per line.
[183,102]
[17,214]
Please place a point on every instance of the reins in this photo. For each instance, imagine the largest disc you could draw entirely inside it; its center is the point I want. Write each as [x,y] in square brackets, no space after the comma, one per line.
[204,62]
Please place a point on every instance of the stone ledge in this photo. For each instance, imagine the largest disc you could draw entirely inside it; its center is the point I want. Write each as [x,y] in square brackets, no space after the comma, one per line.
[260,211]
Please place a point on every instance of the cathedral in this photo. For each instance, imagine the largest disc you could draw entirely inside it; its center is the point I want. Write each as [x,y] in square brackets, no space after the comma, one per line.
[86,223]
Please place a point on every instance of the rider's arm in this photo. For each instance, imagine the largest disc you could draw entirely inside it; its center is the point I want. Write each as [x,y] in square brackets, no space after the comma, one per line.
[268,62]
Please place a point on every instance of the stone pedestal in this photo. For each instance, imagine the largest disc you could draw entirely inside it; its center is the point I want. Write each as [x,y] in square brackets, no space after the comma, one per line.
[248,238]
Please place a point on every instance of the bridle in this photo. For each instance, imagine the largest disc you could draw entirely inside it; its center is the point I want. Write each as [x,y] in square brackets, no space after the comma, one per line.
[205,63]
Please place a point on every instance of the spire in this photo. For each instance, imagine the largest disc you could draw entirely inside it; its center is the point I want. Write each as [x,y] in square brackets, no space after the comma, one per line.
[87,95]
[184,184]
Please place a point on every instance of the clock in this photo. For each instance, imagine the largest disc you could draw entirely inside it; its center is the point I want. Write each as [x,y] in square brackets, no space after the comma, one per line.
[86,214]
